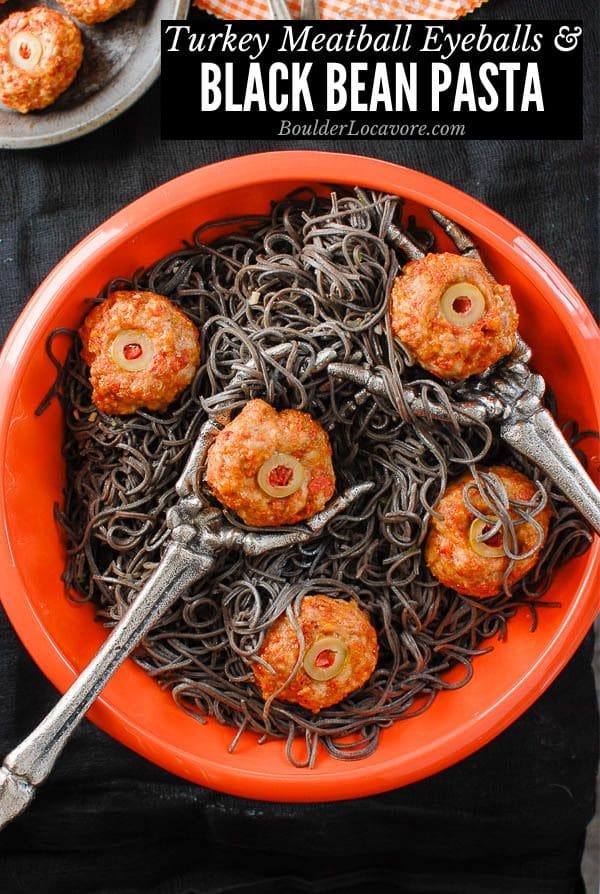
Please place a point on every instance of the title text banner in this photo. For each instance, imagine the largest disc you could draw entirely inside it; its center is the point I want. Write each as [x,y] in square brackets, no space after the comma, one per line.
[221,80]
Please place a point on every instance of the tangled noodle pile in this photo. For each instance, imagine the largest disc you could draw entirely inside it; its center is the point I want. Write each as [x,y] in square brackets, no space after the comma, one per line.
[315,273]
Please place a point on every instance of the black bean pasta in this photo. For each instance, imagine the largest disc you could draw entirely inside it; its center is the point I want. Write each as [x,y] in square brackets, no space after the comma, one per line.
[316,273]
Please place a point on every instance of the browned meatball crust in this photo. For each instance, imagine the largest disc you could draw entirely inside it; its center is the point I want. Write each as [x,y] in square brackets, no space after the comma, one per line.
[320,618]
[253,440]
[142,352]
[437,334]
[40,54]
[448,550]
[90,12]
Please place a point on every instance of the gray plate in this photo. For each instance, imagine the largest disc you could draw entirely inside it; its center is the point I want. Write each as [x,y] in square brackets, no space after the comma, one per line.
[121,60]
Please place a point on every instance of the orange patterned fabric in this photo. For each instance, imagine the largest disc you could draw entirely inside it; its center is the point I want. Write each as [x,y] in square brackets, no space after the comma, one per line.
[347,9]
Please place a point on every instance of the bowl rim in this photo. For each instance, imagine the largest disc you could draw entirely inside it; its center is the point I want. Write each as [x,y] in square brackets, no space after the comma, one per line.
[350,779]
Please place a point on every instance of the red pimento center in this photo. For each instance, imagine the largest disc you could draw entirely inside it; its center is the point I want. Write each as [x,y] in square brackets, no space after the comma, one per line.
[24,51]
[280,476]
[461,305]
[325,658]
[132,351]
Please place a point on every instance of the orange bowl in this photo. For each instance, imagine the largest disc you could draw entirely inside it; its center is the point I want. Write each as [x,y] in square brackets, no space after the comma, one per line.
[62,638]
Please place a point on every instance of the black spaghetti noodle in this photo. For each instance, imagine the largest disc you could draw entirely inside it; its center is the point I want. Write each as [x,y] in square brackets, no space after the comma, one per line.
[316,272]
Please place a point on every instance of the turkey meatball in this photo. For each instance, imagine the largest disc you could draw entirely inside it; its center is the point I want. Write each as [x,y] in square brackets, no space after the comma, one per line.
[453,316]
[272,468]
[457,550]
[90,12]
[40,54]
[142,352]
[339,654]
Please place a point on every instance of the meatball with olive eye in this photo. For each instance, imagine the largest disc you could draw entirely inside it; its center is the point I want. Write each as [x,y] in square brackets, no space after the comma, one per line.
[454,317]
[272,468]
[142,351]
[91,12]
[40,54]
[465,553]
[340,654]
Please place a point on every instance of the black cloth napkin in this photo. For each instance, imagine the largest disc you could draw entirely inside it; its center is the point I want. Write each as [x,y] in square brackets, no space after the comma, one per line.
[512,817]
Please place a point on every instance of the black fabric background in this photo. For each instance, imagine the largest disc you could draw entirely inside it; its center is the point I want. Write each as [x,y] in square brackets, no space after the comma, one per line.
[510,818]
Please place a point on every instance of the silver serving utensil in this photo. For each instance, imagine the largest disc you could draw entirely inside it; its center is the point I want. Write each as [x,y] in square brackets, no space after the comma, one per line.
[508,393]
[309,10]
[279,10]
[198,534]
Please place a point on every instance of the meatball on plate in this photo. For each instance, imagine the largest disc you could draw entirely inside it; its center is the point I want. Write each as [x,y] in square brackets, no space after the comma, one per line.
[40,54]
[90,12]
[107,57]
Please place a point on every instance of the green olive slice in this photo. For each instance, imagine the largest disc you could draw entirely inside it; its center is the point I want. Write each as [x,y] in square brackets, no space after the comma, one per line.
[281,475]
[132,350]
[325,658]
[482,547]
[462,304]
[25,50]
